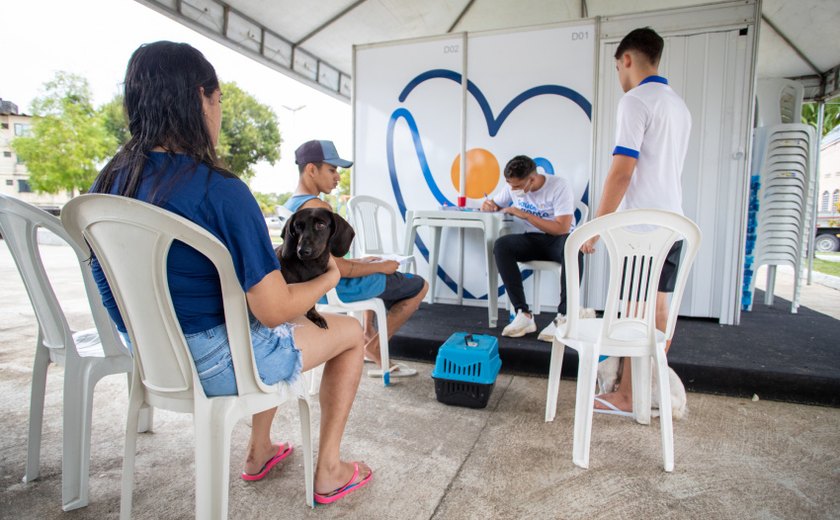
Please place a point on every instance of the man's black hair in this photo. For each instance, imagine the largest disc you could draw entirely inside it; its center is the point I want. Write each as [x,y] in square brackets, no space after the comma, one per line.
[302,167]
[644,41]
[520,167]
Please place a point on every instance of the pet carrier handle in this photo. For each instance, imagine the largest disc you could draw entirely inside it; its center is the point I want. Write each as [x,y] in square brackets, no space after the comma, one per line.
[470,341]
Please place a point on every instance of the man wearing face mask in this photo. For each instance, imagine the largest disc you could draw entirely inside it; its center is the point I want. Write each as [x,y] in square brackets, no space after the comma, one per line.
[545,205]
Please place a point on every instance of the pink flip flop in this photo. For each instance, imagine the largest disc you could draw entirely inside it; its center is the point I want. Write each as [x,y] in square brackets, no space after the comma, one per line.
[346,489]
[281,454]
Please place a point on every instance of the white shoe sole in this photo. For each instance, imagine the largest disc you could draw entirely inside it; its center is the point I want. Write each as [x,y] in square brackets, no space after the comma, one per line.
[521,332]
[546,337]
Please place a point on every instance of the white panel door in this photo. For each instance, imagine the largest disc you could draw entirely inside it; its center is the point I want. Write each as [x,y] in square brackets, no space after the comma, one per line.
[712,69]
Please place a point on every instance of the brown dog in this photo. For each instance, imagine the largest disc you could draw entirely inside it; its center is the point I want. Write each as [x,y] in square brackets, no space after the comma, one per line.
[309,237]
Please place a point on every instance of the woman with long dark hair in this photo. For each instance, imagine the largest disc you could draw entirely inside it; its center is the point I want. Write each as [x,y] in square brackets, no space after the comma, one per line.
[173,105]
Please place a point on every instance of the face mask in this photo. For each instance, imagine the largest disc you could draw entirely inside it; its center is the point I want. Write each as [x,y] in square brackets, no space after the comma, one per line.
[517,193]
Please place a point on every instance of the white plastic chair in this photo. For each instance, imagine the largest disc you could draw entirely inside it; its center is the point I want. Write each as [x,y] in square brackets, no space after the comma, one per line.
[357,309]
[366,214]
[283,213]
[131,240]
[628,328]
[537,266]
[87,356]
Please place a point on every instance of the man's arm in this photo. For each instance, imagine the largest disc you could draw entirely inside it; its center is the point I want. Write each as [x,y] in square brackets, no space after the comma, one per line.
[355,268]
[556,226]
[618,179]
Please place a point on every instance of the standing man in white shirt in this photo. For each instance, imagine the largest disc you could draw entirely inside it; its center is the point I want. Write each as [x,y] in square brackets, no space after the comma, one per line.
[546,206]
[653,126]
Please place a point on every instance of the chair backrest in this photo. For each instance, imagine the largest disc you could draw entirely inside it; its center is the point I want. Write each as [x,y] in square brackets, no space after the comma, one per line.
[19,223]
[581,213]
[637,242]
[131,241]
[366,214]
[283,213]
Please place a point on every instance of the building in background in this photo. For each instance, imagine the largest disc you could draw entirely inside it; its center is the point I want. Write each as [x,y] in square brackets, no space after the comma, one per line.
[830,175]
[14,177]
[828,199]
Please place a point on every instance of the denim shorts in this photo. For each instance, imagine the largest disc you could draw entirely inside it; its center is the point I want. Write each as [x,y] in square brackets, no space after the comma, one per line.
[276,355]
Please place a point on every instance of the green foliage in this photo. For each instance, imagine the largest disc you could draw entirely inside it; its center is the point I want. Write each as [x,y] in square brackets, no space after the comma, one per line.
[114,119]
[68,140]
[268,201]
[831,118]
[249,132]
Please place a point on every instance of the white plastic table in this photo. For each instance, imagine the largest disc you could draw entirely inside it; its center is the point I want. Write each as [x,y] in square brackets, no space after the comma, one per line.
[492,225]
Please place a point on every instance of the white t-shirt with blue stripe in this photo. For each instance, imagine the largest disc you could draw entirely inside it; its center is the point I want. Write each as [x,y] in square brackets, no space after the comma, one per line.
[553,199]
[653,126]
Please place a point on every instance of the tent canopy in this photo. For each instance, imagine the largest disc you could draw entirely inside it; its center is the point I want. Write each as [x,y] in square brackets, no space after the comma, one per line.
[314,43]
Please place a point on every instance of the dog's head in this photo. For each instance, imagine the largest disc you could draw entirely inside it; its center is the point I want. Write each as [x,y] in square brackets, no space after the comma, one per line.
[311,231]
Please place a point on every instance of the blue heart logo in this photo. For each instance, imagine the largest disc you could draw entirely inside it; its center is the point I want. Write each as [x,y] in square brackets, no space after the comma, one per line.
[493,125]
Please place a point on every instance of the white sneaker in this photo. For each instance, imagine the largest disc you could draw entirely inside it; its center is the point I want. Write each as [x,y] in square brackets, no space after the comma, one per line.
[547,334]
[522,324]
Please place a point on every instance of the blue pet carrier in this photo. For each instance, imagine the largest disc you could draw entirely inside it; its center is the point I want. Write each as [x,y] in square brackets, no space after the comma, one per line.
[466,369]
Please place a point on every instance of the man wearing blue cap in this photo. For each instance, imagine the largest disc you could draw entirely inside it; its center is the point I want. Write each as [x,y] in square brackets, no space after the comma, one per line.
[363,278]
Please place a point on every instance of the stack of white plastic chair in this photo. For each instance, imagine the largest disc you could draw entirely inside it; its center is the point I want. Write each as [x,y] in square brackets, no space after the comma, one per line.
[785,165]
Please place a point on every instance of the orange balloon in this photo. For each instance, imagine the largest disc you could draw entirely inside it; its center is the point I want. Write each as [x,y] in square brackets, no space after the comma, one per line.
[482,173]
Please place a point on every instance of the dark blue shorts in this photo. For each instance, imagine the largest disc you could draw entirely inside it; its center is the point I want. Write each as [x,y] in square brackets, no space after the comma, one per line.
[400,286]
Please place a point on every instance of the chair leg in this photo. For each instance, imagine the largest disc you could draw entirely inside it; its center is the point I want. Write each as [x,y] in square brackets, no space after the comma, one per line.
[584,404]
[79,382]
[306,439]
[384,356]
[554,370]
[135,402]
[36,410]
[666,424]
[641,388]
[537,280]
[146,421]
[212,458]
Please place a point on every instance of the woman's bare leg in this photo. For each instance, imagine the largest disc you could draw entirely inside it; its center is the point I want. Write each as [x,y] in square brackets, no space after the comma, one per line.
[341,348]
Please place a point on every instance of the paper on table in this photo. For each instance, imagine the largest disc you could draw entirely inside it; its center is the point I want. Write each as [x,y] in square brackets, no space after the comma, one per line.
[396,258]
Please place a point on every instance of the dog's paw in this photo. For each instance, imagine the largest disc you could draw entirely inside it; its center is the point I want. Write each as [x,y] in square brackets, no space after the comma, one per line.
[317,319]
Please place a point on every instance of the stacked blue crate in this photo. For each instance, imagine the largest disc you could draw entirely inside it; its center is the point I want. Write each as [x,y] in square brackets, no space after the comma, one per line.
[752,225]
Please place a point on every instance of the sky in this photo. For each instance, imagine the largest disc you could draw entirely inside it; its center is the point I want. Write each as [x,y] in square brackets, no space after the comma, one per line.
[95,38]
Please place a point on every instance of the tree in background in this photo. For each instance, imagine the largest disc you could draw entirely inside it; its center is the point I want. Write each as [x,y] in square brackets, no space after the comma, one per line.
[249,132]
[69,139]
[268,201]
[831,118]
[114,119]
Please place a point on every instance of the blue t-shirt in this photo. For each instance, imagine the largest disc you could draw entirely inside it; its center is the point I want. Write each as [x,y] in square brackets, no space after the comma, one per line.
[223,205]
[296,201]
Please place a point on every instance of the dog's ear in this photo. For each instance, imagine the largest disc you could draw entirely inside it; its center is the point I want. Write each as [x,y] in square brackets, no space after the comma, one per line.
[289,236]
[341,237]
